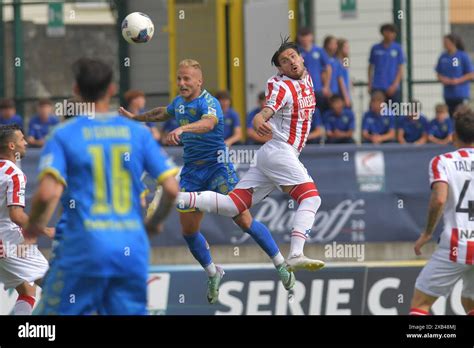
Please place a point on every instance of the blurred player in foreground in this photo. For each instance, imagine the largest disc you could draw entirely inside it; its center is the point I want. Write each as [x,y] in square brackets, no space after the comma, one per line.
[94,165]
[202,133]
[451,178]
[290,105]
[21,264]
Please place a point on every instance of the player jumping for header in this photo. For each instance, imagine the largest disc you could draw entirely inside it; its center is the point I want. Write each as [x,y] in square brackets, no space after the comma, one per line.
[290,104]
[451,178]
[202,133]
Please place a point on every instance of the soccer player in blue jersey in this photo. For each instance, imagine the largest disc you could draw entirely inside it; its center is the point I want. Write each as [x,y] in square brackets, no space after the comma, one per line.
[202,133]
[94,165]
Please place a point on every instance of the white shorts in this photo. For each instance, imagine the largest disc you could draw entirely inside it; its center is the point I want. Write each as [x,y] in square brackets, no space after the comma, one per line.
[439,276]
[276,165]
[16,270]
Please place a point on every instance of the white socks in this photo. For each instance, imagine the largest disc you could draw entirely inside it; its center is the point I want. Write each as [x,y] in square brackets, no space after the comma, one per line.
[302,224]
[207,202]
[24,305]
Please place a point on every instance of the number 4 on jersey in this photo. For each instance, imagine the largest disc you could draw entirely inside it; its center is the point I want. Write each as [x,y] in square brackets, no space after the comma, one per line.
[470,204]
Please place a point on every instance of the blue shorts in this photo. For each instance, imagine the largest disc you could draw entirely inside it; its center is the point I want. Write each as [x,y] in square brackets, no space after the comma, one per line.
[217,177]
[71,294]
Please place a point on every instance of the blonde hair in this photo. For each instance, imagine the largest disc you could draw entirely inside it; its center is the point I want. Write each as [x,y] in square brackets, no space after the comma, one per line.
[189,63]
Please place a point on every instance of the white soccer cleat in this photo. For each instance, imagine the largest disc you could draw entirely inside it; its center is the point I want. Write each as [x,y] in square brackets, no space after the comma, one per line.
[301,262]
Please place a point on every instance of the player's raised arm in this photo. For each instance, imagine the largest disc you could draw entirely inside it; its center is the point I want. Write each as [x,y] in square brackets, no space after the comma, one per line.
[158,114]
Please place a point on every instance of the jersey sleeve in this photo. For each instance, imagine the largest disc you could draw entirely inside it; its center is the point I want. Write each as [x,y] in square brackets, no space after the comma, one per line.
[350,113]
[16,186]
[208,108]
[466,64]
[53,160]
[401,56]
[365,123]
[275,95]
[159,166]
[437,170]
[235,119]
[170,109]
[372,55]
[438,68]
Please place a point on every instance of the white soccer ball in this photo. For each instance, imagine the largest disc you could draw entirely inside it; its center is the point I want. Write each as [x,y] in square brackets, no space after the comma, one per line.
[137,27]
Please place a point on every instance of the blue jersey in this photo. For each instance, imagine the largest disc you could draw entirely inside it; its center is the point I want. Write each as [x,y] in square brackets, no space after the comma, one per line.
[346,78]
[317,120]
[100,162]
[455,66]
[38,129]
[386,61]
[413,129]
[315,62]
[199,147]
[170,125]
[377,124]
[16,119]
[251,115]
[336,73]
[344,122]
[231,120]
[442,129]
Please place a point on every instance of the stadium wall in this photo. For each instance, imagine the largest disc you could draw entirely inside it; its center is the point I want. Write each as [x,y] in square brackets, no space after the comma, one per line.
[348,289]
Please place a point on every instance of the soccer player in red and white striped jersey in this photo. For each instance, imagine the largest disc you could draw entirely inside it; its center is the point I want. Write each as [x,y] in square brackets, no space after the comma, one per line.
[20,264]
[452,183]
[287,114]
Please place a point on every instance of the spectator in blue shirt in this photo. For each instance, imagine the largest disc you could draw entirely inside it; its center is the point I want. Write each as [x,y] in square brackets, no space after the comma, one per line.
[441,128]
[136,102]
[232,128]
[252,136]
[41,124]
[316,131]
[340,122]
[455,71]
[343,55]
[378,128]
[8,113]
[336,83]
[316,62]
[413,128]
[168,126]
[386,64]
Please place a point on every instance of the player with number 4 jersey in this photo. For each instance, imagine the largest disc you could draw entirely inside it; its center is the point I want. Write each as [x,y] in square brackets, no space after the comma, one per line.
[452,184]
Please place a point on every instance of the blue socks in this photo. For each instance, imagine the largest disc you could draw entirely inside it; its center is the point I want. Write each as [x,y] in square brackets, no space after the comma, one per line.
[263,237]
[199,248]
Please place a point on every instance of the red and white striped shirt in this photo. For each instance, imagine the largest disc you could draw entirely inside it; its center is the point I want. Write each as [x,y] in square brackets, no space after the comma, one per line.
[457,170]
[294,103]
[12,192]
